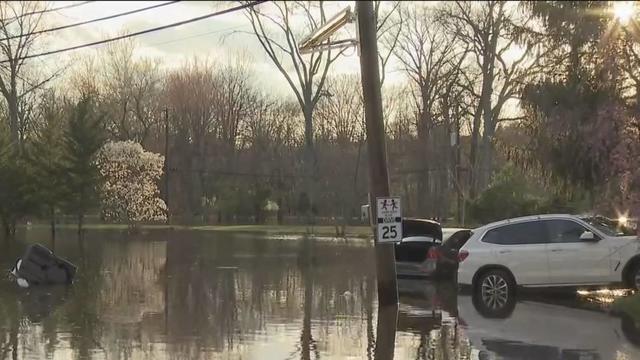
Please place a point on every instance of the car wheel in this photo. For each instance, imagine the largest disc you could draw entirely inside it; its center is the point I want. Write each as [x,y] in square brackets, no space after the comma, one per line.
[634,277]
[494,294]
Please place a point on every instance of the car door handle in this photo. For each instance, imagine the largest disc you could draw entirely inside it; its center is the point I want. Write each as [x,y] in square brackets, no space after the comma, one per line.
[556,250]
[504,252]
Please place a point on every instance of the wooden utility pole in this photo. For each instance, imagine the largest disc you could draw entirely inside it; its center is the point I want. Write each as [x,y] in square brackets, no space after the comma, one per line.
[166,161]
[378,174]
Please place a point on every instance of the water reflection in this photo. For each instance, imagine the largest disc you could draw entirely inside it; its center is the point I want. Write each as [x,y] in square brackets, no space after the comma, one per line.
[549,325]
[386,334]
[193,295]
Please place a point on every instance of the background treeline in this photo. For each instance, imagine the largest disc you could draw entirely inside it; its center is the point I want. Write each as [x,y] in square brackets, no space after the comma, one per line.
[501,109]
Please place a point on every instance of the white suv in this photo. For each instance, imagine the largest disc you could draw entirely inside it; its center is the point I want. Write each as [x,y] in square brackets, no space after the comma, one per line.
[548,251]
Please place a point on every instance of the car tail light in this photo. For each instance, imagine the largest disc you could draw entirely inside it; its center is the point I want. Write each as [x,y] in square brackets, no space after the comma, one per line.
[462,254]
[433,254]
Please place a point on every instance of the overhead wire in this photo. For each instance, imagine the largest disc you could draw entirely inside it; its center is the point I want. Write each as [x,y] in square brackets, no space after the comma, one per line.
[47,10]
[57,28]
[197,35]
[138,33]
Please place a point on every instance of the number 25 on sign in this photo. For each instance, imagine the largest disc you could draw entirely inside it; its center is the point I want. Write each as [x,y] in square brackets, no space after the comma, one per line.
[389,219]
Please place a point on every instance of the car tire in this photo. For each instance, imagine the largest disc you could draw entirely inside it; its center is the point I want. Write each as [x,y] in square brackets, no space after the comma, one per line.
[494,294]
[633,279]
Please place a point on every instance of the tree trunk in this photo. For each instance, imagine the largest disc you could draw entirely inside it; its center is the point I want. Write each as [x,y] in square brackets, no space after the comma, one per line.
[473,156]
[310,165]
[480,179]
[486,157]
[53,228]
[422,163]
[80,224]
[279,214]
[488,78]
[14,120]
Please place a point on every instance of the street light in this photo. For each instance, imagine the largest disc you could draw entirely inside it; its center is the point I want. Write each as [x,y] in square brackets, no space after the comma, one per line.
[318,39]
[623,11]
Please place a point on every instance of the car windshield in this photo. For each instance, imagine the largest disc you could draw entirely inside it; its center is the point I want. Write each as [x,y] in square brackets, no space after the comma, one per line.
[610,227]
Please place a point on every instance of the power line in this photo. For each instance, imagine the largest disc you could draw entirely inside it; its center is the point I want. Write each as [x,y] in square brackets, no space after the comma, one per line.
[197,35]
[46,11]
[210,15]
[90,21]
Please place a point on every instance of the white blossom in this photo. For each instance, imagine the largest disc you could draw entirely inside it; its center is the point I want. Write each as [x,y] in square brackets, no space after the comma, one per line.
[130,192]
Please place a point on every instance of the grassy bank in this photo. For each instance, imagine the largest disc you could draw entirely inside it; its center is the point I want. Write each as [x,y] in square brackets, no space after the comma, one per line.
[350,231]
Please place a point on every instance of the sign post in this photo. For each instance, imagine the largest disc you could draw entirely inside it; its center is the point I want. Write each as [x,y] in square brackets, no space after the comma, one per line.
[389,222]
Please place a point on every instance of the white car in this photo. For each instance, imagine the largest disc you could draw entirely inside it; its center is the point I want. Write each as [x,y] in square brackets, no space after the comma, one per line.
[547,251]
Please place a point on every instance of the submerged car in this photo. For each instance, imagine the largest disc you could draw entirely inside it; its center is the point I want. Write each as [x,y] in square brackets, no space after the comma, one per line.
[548,251]
[414,256]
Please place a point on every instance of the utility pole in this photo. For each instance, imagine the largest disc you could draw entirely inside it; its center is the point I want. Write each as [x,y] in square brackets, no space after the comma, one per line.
[166,161]
[378,174]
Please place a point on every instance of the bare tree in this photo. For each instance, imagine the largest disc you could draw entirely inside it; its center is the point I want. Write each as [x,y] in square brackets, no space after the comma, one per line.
[271,137]
[130,91]
[189,92]
[389,26]
[18,22]
[340,114]
[235,100]
[341,133]
[490,32]
[278,34]
[430,58]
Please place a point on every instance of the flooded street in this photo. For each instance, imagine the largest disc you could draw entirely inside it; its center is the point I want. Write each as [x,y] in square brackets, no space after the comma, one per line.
[200,295]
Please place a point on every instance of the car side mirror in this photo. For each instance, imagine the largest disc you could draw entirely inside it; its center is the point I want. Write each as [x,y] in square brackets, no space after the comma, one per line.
[588,236]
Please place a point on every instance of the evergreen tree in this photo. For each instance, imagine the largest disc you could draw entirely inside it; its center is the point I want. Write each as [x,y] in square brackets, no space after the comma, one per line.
[46,163]
[83,137]
[572,115]
[16,187]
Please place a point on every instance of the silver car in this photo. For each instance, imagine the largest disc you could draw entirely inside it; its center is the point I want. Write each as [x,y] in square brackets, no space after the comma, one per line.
[416,253]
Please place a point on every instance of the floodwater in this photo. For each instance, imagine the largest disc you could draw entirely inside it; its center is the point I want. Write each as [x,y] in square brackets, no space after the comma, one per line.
[199,295]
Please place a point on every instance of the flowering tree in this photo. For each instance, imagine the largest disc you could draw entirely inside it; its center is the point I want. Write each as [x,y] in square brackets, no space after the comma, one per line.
[130,192]
[586,137]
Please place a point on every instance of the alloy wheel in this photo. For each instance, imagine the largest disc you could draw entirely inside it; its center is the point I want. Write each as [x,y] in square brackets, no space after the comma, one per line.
[495,291]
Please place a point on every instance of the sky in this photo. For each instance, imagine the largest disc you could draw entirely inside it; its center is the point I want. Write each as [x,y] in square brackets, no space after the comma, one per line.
[216,38]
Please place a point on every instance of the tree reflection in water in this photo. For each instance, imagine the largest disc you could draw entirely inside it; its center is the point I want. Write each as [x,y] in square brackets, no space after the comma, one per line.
[198,296]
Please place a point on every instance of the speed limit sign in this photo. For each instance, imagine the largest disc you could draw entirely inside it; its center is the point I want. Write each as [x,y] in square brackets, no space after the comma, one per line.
[389,216]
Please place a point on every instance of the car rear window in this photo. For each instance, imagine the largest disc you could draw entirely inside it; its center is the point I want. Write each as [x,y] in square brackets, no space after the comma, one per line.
[532,232]
[457,240]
